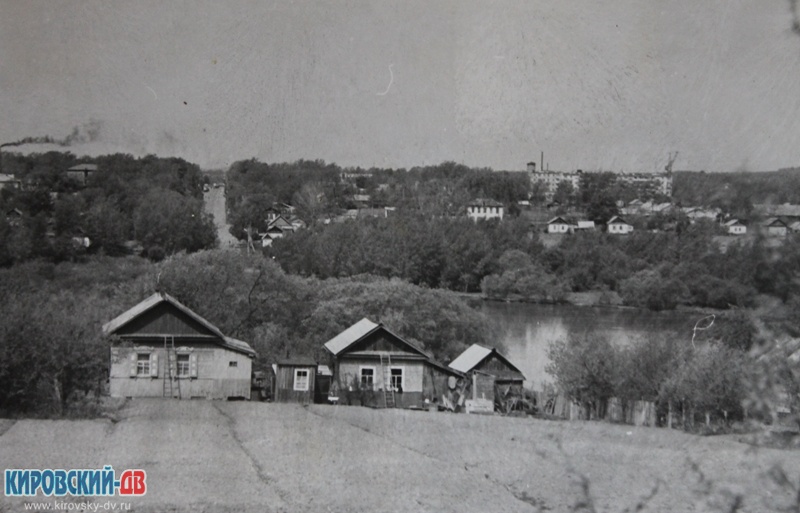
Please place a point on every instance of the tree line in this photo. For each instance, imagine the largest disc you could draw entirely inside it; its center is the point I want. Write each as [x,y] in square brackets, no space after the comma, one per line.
[506,260]
[156,202]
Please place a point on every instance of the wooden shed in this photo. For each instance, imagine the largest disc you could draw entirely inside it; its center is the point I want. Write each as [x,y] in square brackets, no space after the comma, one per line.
[488,361]
[383,369]
[295,380]
[161,348]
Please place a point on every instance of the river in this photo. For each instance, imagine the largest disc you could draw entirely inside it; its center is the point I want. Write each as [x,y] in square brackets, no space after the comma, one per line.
[526,329]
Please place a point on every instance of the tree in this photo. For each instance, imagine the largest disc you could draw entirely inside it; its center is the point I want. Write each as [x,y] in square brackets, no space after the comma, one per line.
[584,369]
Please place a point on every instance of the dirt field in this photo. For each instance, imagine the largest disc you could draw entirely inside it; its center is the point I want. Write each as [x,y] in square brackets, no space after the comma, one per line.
[219,456]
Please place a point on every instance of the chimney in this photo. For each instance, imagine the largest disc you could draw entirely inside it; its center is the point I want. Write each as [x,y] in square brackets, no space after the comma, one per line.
[531,167]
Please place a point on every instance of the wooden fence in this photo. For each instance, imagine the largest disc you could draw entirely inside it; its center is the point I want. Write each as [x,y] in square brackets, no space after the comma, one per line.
[637,413]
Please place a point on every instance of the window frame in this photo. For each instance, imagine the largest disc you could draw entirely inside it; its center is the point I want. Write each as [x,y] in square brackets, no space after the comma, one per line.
[188,366]
[402,377]
[307,381]
[143,360]
[361,376]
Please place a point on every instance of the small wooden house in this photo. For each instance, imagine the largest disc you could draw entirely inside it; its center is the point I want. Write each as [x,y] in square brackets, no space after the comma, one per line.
[478,362]
[161,348]
[735,227]
[295,380]
[617,225]
[384,369]
[558,225]
[775,227]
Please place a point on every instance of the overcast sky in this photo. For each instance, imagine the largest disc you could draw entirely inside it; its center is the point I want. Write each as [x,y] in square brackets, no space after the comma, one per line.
[611,85]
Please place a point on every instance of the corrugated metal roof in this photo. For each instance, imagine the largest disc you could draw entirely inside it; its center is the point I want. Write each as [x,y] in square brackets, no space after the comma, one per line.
[471,357]
[341,341]
[121,320]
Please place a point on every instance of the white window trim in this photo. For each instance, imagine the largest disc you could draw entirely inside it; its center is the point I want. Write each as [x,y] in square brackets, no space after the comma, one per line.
[139,361]
[307,380]
[178,366]
[374,374]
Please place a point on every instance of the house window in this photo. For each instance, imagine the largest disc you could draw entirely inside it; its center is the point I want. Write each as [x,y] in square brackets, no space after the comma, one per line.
[233,364]
[301,380]
[396,379]
[143,364]
[183,366]
[367,377]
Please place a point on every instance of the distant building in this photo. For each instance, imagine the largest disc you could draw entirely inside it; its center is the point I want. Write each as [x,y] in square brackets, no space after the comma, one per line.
[551,179]
[585,226]
[81,172]
[735,227]
[558,225]
[485,209]
[9,182]
[617,225]
[775,227]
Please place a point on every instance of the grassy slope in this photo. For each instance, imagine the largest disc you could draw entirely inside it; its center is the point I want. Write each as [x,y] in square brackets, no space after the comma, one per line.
[214,456]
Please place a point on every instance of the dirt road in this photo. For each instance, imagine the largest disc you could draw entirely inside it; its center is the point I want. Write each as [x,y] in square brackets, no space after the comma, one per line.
[215,205]
[219,456]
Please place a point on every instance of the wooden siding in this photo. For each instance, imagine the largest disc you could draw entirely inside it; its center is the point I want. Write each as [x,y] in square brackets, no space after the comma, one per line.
[348,373]
[284,385]
[482,386]
[381,341]
[500,369]
[216,378]
[164,319]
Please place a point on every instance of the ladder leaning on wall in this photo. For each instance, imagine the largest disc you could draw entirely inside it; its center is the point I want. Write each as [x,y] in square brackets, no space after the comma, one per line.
[171,383]
[388,387]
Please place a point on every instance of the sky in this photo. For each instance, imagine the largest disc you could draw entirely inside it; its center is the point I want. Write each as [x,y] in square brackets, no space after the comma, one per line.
[613,85]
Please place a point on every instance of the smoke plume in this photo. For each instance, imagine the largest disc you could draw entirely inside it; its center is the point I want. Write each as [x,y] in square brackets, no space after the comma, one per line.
[85,133]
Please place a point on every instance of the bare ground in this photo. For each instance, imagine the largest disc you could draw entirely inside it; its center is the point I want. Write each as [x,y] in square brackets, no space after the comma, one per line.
[218,456]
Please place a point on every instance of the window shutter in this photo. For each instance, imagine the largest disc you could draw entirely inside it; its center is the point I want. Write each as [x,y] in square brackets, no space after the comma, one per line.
[153,365]
[133,358]
[193,365]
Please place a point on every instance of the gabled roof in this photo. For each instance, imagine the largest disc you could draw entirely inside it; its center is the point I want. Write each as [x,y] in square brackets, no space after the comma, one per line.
[365,327]
[734,222]
[471,357]
[557,220]
[281,222]
[121,320]
[474,355]
[616,220]
[774,221]
[349,336]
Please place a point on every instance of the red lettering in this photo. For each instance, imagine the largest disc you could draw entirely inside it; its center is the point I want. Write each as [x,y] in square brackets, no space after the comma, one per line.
[132,482]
